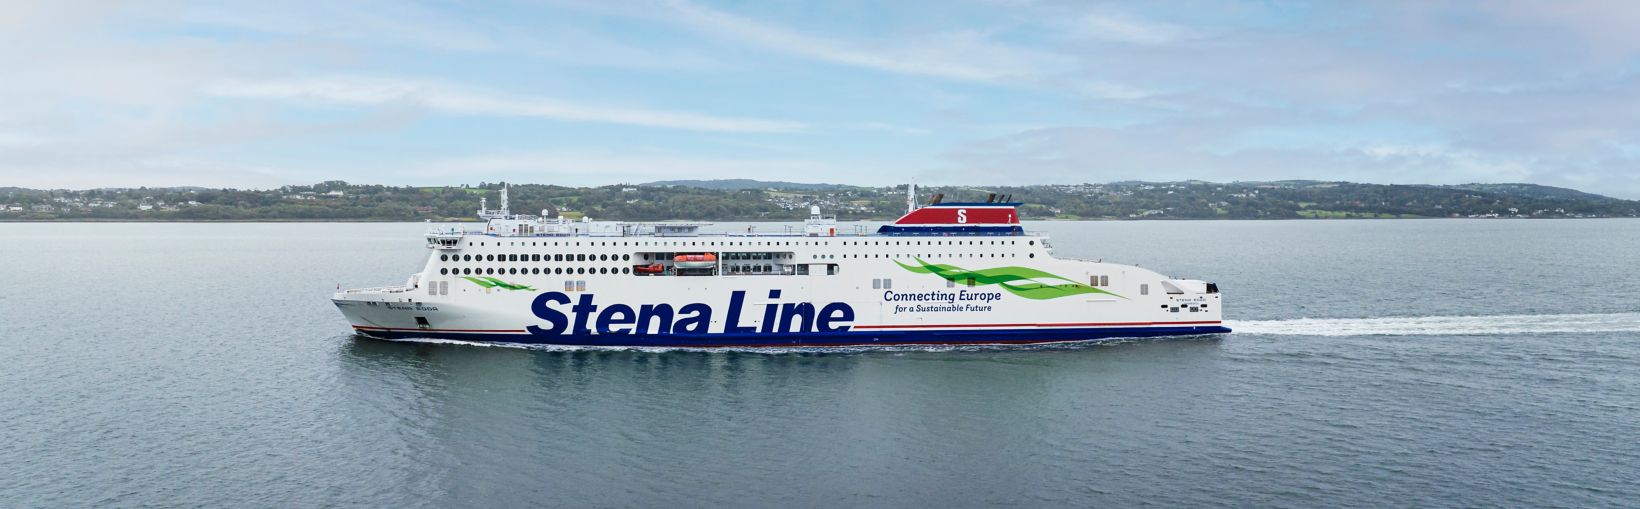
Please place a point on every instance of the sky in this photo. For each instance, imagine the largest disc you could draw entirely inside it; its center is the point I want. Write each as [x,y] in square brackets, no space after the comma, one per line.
[973,92]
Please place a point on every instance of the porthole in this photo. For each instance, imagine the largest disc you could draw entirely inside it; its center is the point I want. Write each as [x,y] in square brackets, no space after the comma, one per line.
[466,258]
[626,270]
[443,258]
[444,272]
[536,270]
[1033,255]
[467,271]
[626,257]
[603,270]
[1033,242]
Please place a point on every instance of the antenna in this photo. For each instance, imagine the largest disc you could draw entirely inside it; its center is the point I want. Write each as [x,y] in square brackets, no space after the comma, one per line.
[504,208]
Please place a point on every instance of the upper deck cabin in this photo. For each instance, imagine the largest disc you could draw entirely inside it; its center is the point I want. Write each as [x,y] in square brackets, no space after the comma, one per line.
[943,219]
[935,231]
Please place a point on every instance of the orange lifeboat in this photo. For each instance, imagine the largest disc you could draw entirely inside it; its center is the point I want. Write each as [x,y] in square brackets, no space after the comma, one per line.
[695,261]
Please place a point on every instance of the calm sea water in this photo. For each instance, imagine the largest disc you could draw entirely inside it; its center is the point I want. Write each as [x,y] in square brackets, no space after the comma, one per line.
[1409,363]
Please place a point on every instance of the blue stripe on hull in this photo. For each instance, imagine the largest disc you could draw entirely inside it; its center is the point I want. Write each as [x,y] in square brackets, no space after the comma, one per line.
[859,338]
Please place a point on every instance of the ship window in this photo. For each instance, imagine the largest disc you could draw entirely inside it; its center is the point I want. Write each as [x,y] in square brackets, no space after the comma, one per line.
[876,284]
[444,272]
[443,258]
[950,283]
[626,257]
[1033,242]
[1144,289]
[558,257]
[466,258]
[535,258]
[1104,280]
[535,270]
[581,257]
[888,283]
[581,270]
[569,286]
[559,270]
[1033,255]
[626,270]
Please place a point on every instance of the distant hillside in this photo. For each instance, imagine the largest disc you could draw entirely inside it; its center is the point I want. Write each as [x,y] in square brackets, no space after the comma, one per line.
[1532,191]
[750,200]
[733,184]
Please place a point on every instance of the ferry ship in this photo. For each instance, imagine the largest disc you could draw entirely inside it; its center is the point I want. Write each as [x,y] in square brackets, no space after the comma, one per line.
[944,273]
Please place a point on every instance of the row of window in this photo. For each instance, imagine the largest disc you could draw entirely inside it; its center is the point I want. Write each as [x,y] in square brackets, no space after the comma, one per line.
[534,258]
[491,271]
[626,257]
[767,243]
[928,255]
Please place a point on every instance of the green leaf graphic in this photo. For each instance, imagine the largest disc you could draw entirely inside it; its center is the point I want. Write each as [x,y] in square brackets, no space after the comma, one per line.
[490,282]
[1022,281]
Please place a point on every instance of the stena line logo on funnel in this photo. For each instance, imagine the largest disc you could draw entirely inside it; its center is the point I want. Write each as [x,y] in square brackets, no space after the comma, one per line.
[586,316]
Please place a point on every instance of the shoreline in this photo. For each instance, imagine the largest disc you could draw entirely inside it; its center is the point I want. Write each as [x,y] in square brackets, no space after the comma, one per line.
[447,221]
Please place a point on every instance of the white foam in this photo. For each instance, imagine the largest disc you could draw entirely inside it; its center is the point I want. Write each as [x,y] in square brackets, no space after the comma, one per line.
[1443,325]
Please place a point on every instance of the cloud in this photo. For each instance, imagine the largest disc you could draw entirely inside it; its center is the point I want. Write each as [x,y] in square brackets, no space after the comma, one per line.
[456,100]
[1128,29]
[602,167]
[964,54]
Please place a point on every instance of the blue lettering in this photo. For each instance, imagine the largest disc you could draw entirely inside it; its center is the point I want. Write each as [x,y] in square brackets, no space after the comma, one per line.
[835,312]
[694,318]
[552,316]
[793,310]
[731,325]
[768,312]
[617,314]
[696,324]
[649,312]
[583,309]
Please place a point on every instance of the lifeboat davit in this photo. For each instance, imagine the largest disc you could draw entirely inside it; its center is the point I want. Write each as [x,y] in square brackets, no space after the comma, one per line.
[695,261]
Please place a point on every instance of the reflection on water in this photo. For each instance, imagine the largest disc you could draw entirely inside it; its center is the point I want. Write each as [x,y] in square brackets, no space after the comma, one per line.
[664,421]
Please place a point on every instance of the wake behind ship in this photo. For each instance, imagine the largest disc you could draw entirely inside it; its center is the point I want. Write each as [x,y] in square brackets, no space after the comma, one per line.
[944,273]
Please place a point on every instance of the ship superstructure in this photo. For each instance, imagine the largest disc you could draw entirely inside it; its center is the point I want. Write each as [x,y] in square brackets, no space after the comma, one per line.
[944,273]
